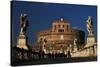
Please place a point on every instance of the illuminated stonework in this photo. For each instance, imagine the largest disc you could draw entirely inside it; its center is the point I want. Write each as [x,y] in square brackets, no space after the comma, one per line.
[60,37]
[21,42]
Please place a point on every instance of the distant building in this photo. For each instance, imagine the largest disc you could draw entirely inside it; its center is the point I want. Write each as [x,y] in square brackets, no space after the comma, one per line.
[60,38]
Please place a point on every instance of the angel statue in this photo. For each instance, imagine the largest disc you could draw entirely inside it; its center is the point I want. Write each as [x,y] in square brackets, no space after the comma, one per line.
[23,23]
[89,25]
[75,44]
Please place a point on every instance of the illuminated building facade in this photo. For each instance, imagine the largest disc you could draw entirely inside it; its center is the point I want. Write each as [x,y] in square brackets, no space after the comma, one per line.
[60,38]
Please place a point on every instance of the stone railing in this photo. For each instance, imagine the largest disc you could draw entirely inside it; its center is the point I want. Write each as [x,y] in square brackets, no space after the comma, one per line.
[86,52]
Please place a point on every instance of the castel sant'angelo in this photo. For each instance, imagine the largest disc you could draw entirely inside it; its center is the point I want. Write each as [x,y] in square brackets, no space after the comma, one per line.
[61,38]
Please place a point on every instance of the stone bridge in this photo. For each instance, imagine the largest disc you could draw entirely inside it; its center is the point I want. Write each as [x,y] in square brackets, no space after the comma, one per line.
[87,51]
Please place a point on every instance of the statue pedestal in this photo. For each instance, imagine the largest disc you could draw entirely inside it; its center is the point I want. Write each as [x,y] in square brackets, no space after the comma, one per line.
[90,41]
[21,41]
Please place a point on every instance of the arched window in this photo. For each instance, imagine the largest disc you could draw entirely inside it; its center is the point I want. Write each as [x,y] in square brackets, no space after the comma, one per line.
[54,27]
[63,26]
[59,26]
[67,28]
[61,30]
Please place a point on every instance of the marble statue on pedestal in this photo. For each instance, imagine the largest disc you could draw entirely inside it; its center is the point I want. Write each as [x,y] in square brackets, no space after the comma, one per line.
[75,45]
[21,40]
[90,36]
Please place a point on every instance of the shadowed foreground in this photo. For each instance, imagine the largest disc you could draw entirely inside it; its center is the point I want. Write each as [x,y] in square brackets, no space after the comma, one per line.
[52,61]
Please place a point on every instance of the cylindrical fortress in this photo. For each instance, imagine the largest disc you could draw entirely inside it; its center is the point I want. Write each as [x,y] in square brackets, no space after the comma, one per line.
[61,35]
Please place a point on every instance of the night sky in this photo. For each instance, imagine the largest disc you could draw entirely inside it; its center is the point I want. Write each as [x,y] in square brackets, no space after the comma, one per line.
[41,15]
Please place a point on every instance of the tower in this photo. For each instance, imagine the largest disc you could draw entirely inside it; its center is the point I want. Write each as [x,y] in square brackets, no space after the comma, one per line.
[60,25]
